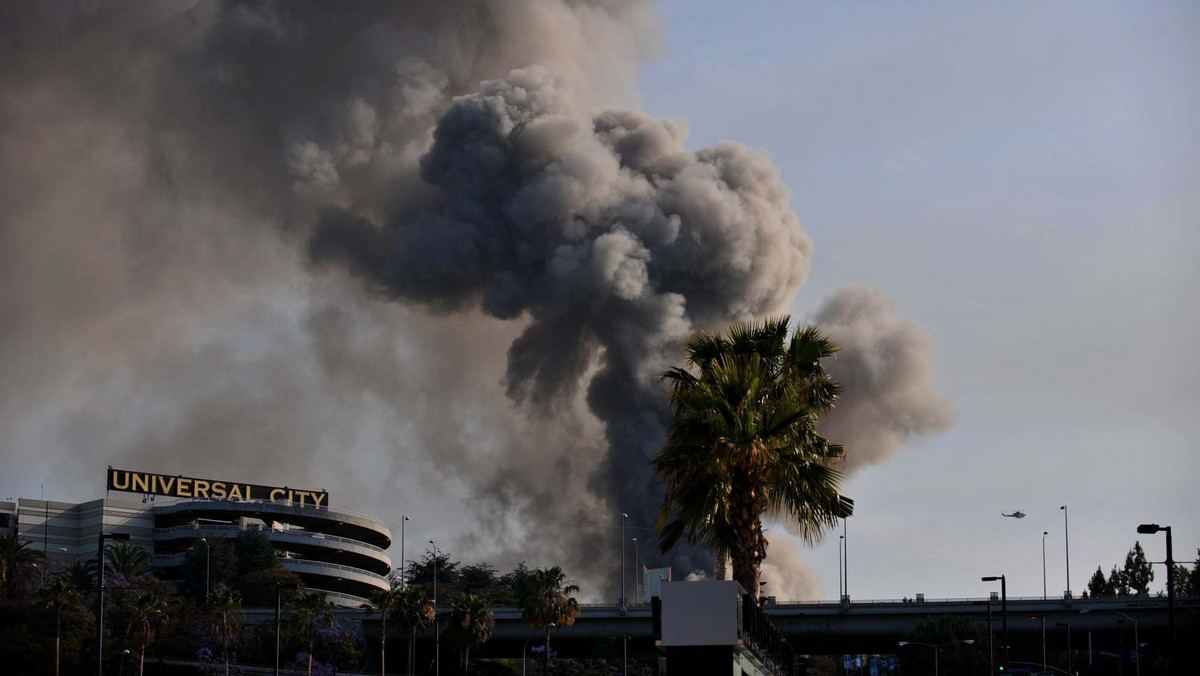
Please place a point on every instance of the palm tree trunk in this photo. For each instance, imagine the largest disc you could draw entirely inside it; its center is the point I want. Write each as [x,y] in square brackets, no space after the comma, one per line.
[466,659]
[57,638]
[546,654]
[749,548]
[310,651]
[721,571]
[141,660]
[409,640]
[383,644]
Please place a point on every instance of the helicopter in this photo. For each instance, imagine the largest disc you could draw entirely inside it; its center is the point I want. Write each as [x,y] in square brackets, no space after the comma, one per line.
[1016,515]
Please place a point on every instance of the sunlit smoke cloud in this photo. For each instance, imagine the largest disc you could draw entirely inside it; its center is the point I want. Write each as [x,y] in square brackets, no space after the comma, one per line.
[886,369]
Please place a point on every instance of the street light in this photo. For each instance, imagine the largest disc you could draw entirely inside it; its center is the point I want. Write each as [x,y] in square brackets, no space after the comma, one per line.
[100,598]
[278,603]
[637,571]
[937,648]
[623,517]
[1150,529]
[437,626]
[1004,613]
[1044,534]
[207,566]
[1067,545]
[841,543]
[1137,644]
[1068,626]
[525,648]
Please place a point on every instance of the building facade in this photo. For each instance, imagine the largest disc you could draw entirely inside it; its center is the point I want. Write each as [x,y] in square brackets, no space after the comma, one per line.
[337,552]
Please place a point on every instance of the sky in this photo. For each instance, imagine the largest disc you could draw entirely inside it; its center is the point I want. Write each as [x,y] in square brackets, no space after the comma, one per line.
[234,248]
[1022,179]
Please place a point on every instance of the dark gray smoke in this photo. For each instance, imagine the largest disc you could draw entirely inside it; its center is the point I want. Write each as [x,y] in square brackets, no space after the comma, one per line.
[603,234]
[886,369]
[170,170]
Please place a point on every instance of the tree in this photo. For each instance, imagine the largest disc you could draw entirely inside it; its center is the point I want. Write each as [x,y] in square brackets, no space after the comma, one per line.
[82,575]
[1182,580]
[549,599]
[17,564]
[744,442]
[129,561]
[313,612]
[1194,576]
[471,624]
[212,560]
[254,551]
[224,605]
[1137,574]
[148,614]
[258,588]
[954,656]
[1098,587]
[385,602]
[1117,584]
[414,612]
[58,593]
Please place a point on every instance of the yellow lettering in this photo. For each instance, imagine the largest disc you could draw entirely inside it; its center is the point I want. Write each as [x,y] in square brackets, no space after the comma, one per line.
[318,498]
[235,493]
[301,494]
[201,488]
[218,489]
[117,483]
[183,488]
[165,484]
[141,484]
[275,492]
[247,493]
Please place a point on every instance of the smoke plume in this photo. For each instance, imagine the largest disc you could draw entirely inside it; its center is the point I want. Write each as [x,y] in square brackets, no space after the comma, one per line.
[885,366]
[197,194]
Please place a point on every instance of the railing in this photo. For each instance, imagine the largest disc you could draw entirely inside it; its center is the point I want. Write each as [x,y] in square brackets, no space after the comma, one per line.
[296,533]
[277,504]
[350,598]
[302,563]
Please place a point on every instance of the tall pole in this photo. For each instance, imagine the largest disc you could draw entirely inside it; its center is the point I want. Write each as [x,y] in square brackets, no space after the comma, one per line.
[637,571]
[841,542]
[278,594]
[1170,593]
[846,558]
[403,561]
[437,625]
[207,566]
[45,533]
[1004,613]
[1067,546]
[623,517]
[1044,534]
[100,606]
[991,652]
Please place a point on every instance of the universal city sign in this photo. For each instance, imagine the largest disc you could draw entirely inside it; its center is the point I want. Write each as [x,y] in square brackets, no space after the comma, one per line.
[188,487]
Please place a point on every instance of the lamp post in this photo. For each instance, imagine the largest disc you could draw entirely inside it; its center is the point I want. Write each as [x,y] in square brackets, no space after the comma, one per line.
[1044,534]
[100,598]
[1150,529]
[622,603]
[1004,613]
[937,648]
[403,561]
[525,648]
[637,571]
[1136,642]
[278,602]
[207,566]
[841,543]
[846,559]
[1067,546]
[437,626]
[1068,626]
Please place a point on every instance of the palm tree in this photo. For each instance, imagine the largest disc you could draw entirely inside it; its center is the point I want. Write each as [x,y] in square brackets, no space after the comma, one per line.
[471,624]
[313,611]
[129,561]
[147,614]
[224,604]
[56,594]
[385,602]
[16,563]
[82,575]
[744,443]
[549,601]
[415,611]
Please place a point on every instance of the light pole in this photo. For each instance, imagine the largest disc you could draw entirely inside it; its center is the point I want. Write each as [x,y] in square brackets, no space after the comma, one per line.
[937,648]
[1068,626]
[525,648]
[846,558]
[1067,546]
[403,561]
[1004,613]
[278,602]
[100,598]
[437,625]
[622,603]
[1150,529]
[841,543]
[637,571]
[1137,644]
[207,566]
[1044,534]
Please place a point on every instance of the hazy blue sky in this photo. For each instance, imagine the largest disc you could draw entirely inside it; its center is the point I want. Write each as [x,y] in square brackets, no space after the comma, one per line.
[1023,179]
